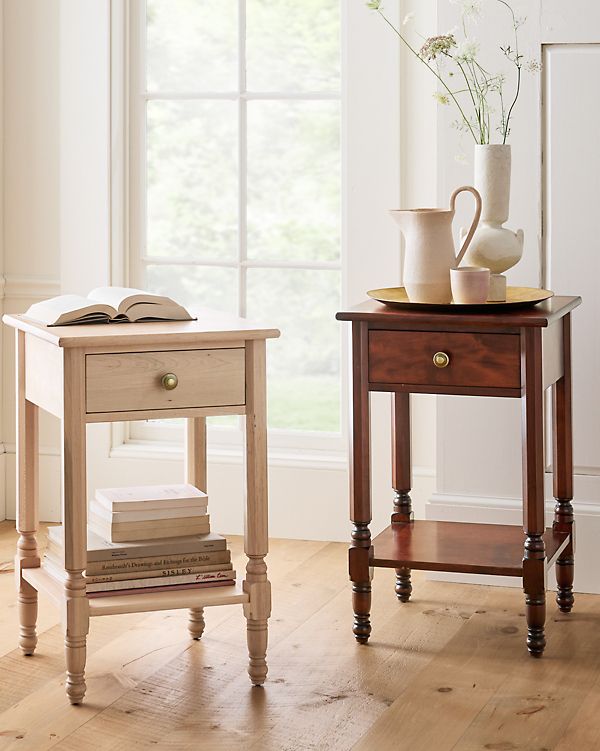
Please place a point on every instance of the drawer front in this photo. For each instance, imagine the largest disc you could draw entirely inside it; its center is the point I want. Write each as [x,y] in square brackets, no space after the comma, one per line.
[474,360]
[134,380]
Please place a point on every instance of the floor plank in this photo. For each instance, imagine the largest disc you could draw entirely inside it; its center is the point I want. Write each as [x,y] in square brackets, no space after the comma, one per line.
[447,671]
[128,659]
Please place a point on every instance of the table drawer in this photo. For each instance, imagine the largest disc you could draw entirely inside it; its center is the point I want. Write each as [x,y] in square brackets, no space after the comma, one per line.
[477,360]
[133,381]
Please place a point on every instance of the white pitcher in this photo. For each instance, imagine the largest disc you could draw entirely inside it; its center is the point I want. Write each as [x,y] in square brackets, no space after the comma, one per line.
[429,249]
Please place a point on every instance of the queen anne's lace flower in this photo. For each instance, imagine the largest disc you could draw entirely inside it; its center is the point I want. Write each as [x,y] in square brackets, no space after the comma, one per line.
[469,8]
[463,82]
[436,46]
[467,51]
[441,98]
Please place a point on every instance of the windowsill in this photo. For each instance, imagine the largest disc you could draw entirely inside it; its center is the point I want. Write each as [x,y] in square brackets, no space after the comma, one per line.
[278,457]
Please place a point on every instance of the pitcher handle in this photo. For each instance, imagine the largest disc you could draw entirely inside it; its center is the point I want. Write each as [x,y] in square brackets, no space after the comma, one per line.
[474,223]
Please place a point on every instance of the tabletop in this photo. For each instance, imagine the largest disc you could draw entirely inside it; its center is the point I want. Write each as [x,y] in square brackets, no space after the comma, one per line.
[210,325]
[540,315]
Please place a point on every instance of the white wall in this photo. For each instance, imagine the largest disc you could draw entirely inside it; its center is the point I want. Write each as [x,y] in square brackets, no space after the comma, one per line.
[30,188]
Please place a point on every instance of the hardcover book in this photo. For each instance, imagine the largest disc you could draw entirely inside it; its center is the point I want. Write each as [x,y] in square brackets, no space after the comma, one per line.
[152,498]
[144,582]
[130,565]
[156,531]
[108,305]
[155,515]
[96,576]
[100,549]
[152,590]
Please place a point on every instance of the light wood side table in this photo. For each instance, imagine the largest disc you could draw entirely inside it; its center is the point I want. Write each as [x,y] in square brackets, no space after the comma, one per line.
[106,373]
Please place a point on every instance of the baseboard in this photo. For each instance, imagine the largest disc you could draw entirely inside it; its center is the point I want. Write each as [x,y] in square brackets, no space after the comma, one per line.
[455,508]
[2,483]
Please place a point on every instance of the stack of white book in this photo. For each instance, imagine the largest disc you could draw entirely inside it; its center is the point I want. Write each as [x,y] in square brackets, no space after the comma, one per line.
[186,558]
[149,513]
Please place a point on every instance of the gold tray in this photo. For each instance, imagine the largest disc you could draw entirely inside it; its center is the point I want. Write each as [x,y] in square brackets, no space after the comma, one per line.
[516,297]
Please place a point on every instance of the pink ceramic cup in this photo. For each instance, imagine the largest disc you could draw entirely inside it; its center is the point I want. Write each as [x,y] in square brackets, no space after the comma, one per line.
[470,285]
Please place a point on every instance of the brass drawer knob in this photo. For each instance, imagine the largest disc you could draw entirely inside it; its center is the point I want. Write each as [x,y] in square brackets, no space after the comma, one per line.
[441,360]
[170,381]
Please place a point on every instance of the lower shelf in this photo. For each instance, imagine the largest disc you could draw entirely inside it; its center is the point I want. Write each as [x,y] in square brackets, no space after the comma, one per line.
[459,547]
[140,602]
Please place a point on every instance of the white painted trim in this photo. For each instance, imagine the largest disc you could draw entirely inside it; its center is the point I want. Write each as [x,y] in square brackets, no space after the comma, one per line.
[482,507]
[2,485]
[29,287]
[247,95]
[2,290]
[171,451]
[119,153]
[10,448]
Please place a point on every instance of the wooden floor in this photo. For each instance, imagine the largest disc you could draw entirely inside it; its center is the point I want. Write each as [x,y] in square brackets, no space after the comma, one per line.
[447,671]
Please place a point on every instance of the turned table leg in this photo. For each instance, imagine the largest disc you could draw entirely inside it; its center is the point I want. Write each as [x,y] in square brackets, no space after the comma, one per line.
[75,522]
[401,478]
[256,584]
[196,622]
[534,560]
[196,475]
[360,486]
[27,498]
[563,472]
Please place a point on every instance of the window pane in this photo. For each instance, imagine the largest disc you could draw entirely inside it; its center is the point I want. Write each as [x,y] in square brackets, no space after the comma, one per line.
[194,286]
[293,45]
[294,180]
[192,45]
[192,179]
[304,364]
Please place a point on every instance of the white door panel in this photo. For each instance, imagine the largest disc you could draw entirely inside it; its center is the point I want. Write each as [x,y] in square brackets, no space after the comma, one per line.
[572,191]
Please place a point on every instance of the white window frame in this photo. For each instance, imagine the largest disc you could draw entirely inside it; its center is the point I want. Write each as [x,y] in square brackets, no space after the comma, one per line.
[371,147]
[287,440]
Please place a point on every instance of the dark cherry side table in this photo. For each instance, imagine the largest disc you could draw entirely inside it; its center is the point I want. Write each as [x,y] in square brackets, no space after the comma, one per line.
[515,353]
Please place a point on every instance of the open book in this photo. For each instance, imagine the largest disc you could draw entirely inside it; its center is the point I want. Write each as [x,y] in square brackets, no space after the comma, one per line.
[108,305]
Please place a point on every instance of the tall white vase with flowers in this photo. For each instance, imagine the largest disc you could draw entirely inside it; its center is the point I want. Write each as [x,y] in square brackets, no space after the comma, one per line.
[485,103]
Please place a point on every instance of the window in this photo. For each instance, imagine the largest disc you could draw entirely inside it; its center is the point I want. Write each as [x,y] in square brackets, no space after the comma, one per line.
[235,179]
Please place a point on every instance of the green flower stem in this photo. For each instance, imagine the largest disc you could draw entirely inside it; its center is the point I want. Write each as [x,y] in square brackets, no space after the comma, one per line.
[435,73]
[512,106]
[518,64]
[475,106]
[462,70]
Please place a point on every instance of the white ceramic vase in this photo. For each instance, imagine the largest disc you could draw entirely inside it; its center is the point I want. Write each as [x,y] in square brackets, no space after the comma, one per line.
[494,247]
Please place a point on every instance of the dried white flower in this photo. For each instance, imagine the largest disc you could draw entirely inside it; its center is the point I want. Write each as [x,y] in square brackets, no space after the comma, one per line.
[467,51]
[435,46]
[497,82]
[469,8]
[533,66]
[441,98]
[461,158]
[408,18]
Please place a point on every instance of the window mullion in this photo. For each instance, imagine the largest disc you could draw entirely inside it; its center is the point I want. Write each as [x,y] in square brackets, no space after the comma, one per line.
[242,160]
